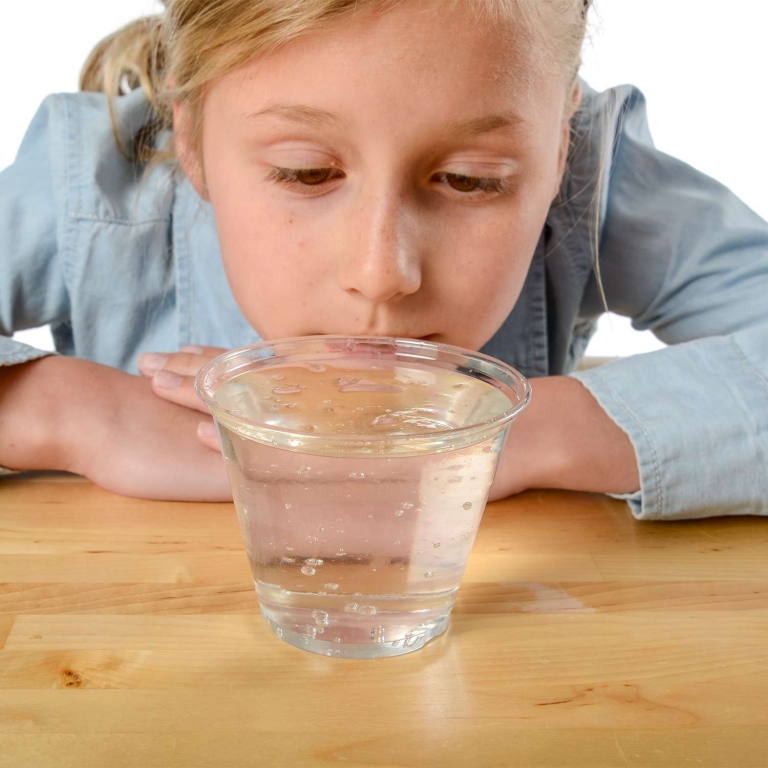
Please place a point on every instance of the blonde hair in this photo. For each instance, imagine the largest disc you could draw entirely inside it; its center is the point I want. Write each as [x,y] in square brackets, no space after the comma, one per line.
[194,42]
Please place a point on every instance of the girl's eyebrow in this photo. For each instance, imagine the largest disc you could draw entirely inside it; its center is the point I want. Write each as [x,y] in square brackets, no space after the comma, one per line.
[312,116]
[477,126]
[298,113]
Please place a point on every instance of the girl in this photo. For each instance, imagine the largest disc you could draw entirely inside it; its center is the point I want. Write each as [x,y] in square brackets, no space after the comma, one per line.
[422,168]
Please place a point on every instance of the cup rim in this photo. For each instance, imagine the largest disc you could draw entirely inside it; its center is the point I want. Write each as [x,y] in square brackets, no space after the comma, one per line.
[464,433]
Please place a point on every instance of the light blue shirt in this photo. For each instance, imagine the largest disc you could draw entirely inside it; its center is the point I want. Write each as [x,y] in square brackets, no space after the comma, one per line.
[120,263]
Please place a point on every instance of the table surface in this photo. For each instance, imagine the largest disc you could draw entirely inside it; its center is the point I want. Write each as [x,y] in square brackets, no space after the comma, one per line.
[130,636]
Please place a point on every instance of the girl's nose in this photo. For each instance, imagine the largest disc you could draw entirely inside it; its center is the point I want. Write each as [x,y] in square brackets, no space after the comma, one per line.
[382,259]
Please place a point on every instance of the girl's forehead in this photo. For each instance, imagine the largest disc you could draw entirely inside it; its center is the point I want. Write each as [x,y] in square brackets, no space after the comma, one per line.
[400,60]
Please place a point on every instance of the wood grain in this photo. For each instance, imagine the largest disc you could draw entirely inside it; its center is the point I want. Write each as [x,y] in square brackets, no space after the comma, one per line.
[130,636]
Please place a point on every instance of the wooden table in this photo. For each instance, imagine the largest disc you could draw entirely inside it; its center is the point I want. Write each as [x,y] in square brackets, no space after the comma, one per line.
[130,636]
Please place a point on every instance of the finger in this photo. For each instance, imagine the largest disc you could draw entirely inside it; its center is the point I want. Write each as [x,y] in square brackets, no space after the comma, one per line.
[173,375]
[183,363]
[151,362]
[177,388]
[206,434]
[188,361]
[207,352]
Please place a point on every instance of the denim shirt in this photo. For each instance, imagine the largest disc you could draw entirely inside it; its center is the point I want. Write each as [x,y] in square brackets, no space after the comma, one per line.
[120,262]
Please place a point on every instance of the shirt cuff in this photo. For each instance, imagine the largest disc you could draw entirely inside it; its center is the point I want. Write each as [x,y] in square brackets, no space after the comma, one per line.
[697,417]
[14,352]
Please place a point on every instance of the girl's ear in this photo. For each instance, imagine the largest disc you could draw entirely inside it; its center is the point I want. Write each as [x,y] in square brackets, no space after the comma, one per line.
[187,149]
[565,141]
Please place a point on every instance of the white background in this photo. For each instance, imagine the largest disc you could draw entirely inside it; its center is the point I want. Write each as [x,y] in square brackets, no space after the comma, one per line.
[701,63]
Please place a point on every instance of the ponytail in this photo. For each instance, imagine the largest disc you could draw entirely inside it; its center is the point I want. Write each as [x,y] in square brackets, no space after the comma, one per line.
[131,58]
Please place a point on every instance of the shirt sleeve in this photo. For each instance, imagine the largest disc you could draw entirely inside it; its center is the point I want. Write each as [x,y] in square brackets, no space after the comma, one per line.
[32,191]
[684,257]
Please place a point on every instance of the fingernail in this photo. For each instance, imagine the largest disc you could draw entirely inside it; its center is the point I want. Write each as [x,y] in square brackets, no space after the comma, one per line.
[207,430]
[167,379]
[152,362]
[192,349]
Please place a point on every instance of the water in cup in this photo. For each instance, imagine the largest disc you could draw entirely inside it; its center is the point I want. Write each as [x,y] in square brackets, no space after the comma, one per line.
[359,494]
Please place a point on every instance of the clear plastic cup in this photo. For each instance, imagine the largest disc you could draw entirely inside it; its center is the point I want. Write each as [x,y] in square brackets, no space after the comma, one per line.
[360,469]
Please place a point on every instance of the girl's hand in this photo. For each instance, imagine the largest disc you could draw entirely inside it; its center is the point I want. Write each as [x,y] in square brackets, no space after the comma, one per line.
[74,415]
[173,379]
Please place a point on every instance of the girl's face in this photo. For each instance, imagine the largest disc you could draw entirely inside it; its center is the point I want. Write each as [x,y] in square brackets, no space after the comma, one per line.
[389,175]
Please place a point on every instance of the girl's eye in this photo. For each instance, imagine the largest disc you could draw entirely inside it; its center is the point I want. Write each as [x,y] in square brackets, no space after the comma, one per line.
[472,184]
[310,177]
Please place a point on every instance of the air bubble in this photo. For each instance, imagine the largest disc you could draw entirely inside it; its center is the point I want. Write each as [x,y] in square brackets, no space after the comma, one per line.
[487,449]
[321,617]
[329,410]
[454,479]
[357,475]
[399,513]
[288,506]
[286,390]
[467,505]
[383,421]
[332,587]
[310,632]
[303,470]
[316,368]
[313,561]
[345,382]
[377,634]
[308,570]
[351,608]
[407,505]
[278,377]
[427,575]
[370,517]
[336,639]
[436,545]
[279,631]
[396,542]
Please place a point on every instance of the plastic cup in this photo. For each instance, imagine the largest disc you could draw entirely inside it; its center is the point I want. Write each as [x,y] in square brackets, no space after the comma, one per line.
[360,469]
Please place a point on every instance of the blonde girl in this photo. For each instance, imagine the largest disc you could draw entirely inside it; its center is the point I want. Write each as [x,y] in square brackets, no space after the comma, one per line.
[237,170]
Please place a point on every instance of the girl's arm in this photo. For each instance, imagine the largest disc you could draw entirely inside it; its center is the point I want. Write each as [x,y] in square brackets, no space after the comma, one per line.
[685,258]
[64,413]
[74,415]
[32,285]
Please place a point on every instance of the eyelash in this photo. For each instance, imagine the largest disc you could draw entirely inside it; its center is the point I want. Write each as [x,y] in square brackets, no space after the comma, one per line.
[484,186]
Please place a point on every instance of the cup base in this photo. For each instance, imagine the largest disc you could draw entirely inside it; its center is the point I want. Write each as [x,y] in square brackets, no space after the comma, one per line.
[356,650]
